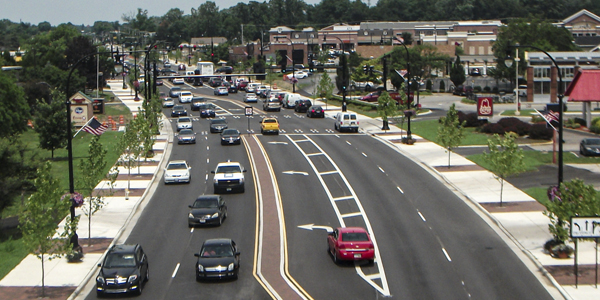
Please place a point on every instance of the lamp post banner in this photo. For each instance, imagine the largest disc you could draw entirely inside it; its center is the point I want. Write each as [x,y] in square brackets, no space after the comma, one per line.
[485,106]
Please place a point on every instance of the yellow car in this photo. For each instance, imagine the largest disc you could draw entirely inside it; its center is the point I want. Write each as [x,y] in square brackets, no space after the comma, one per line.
[269,125]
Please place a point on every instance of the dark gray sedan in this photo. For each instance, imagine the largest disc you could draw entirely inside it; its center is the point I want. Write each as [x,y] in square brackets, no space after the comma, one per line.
[590,147]
[230,136]
[218,258]
[207,209]
[218,125]
[186,136]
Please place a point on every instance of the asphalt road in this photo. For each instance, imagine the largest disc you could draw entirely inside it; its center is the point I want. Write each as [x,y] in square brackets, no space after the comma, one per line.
[431,244]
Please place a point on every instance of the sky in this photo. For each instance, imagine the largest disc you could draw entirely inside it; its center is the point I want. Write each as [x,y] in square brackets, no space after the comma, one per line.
[86,12]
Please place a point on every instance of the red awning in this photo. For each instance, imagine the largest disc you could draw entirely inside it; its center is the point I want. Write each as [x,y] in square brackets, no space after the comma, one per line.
[585,87]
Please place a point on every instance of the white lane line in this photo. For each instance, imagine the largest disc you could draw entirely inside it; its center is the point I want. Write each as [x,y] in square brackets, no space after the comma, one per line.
[314,154]
[373,276]
[350,215]
[446,253]
[207,148]
[301,141]
[175,272]
[348,143]
[364,154]
[401,191]
[328,172]
[380,169]
[207,160]
[343,198]
[422,217]
[205,179]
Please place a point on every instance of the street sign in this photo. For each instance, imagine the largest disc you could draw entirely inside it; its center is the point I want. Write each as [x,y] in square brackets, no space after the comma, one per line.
[249,110]
[585,227]
[485,106]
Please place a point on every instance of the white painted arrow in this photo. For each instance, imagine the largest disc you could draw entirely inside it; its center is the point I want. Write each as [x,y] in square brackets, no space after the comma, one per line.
[278,143]
[295,172]
[313,226]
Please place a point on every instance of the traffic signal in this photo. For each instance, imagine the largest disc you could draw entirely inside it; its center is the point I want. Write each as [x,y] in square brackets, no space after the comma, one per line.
[194,47]
[311,66]
[371,69]
[366,69]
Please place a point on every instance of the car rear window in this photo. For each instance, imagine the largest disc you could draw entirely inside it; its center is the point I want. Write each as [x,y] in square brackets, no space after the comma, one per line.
[228,169]
[354,237]
[206,203]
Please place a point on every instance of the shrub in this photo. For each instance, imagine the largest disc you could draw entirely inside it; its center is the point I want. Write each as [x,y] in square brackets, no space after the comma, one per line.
[492,128]
[495,90]
[537,119]
[477,89]
[471,119]
[540,132]
[428,84]
[487,89]
[579,121]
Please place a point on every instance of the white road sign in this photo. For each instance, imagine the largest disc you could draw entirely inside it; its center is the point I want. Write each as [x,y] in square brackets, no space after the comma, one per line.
[585,227]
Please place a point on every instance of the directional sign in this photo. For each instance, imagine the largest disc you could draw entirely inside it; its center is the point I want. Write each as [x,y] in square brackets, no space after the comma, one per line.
[313,226]
[585,227]
[249,110]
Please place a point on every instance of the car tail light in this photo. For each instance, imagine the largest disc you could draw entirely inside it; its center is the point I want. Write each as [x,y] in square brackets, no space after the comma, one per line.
[342,246]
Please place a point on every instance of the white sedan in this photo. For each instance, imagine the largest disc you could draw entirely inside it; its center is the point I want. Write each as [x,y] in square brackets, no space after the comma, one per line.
[298,75]
[221,91]
[185,97]
[178,81]
[177,171]
[250,98]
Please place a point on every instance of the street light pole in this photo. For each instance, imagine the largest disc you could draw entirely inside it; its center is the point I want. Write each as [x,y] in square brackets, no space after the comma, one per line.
[135,75]
[344,71]
[508,63]
[293,67]
[408,132]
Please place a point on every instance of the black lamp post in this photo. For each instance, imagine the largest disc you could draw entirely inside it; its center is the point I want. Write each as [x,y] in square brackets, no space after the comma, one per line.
[135,75]
[508,62]
[344,71]
[293,67]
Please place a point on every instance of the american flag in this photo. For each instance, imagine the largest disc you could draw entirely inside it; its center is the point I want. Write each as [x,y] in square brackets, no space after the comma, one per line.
[552,117]
[94,127]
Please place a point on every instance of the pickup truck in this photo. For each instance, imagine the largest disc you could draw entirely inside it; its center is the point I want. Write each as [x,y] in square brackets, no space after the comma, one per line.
[269,125]
[374,96]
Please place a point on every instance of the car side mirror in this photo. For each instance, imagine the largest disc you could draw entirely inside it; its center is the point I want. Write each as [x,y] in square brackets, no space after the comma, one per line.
[99,265]
[213,172]
[244,170]
[197,254]
[189,206]
[237,253]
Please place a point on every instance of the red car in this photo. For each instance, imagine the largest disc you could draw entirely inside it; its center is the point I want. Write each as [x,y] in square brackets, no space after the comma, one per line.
[350,243]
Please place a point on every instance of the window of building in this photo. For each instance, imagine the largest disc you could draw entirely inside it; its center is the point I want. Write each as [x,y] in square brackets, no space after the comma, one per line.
[490,50]
[481,50]
[472,50]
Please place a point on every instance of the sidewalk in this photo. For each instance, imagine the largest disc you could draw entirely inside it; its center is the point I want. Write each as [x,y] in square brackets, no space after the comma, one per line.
[108,225]
[520,219]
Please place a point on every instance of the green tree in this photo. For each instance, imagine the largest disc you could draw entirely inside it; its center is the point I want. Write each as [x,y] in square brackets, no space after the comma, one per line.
[575,198]
[130,144]
[325,87]
[386,108]
[14,111]
[50,123]
[504,157]
[40,216]
[92,172]
[450,131]
[457,72]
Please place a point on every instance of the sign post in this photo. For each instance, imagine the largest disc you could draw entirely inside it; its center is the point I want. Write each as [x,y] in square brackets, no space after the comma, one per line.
[585,228]
[249,113]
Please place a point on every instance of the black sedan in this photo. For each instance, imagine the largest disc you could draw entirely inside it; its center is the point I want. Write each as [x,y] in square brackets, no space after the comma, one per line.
[207,209]
[302,105]
[590,147]
[218,258]
[123,270]
[186,136]
[178,111]
[232,89]
[217,125]
[207,110]
[231,137]
[315,111]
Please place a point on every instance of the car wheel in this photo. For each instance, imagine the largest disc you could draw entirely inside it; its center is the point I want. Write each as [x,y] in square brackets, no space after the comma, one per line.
[261,131]
[140,288]
[99,294]
[147,275]
[371,262]
[220,221]
[336,260]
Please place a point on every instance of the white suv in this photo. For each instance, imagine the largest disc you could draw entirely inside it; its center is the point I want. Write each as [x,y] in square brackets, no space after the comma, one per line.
[229,176]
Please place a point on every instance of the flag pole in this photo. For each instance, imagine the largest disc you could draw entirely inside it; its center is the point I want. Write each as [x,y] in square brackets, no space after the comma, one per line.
[88,122]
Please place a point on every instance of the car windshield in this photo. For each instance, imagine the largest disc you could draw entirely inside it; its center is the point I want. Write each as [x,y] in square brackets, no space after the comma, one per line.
[197,99]
[182,120]
[178,107]
[228,169]
[206,203]
[176,166]
[593,142]
[174,89]
[230,132]
[186,132]
[218,122]
[355,237]
[217,251]
[269,121]
[186,94]
[119,260]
